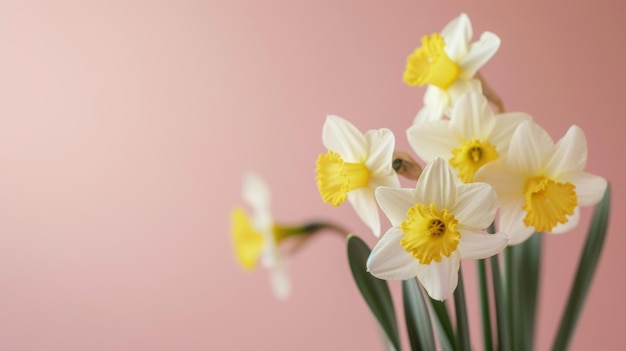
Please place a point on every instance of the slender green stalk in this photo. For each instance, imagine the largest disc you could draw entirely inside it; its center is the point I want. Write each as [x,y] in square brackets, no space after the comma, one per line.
[417,317]
[509,288]
[529,273]
[444,326]
[462,327]
[585,272]
[485,311]
[516,295]
[504,341]
[375,291]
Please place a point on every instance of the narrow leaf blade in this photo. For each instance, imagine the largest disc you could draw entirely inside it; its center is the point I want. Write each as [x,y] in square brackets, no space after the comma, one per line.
[460,308]
[374,291]
[417,317]
[444,325]
[584,274]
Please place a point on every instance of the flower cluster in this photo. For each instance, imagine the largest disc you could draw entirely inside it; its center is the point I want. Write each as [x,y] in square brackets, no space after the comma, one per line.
[484,170]
[477,161]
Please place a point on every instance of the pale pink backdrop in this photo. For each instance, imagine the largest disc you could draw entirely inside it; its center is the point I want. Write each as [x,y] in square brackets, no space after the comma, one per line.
[126,127]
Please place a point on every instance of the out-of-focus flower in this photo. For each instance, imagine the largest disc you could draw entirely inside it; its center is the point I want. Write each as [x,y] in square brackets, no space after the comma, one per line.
[256,238]
[354,166]
[472,137]
[448,62]
[435,225]
[540,184]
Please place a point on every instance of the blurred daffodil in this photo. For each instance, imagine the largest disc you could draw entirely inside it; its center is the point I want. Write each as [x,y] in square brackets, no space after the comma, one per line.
[541,184]
[256,238]
[354,166]
[473,137]
[448,62]
[435,225]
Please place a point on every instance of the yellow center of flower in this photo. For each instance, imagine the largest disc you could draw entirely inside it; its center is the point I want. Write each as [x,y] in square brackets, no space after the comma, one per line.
[429,234]
[470,156]
[335,178]
[547,203]
[430,64]
[247,241]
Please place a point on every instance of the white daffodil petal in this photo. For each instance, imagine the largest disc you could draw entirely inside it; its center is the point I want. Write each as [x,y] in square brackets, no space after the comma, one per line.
[570,153]
[436,103]
[530,145]
[479,53]
[572,222]
[506,181]
[440,278]
[365,205]
[257,194]
[395,202]
[506,123]
[437,185]
[389,260]
[512,221]
[342,137]
[271,256]
[476,205]
[279,279]
[457,35]
[255,191]
[477,245]
[380,144]
[472,116]
[589,188]
[432,139]
[391,181]
[463,86]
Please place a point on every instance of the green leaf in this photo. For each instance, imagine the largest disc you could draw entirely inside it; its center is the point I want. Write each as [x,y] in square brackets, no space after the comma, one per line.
[418,324]
[529,271]
[444,326]
[485,311]
[586,269]
[523,269]
[375,291]
[504,341]
[462,326]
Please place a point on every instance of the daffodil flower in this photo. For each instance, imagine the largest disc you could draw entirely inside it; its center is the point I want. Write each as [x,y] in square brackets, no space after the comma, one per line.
[541,184]
[448,62]
[256,238]
[435,225]
[354,166]
[473,137]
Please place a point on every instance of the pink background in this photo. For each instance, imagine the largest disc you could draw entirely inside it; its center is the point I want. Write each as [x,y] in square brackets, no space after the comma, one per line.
[126,126]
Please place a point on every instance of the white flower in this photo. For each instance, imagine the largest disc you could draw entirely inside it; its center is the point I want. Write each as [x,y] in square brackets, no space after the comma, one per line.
[541,184]
[448,62]
[435,225]
[256,239]
[354,166]
[472,137]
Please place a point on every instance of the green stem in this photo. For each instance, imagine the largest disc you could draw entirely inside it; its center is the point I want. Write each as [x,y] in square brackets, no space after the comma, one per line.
[462,327]
[446,333]
[484,305]
[512,297]
[585,272]
[504,342]
[529,273]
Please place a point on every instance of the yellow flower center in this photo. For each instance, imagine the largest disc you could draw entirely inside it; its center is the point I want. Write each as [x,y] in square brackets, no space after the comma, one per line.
[429,233]
[335,178]
[470,156]
[430,64]
[247,241]
[547,203]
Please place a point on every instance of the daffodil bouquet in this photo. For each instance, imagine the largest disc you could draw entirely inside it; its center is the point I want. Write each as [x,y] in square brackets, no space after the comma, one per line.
[492,184]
